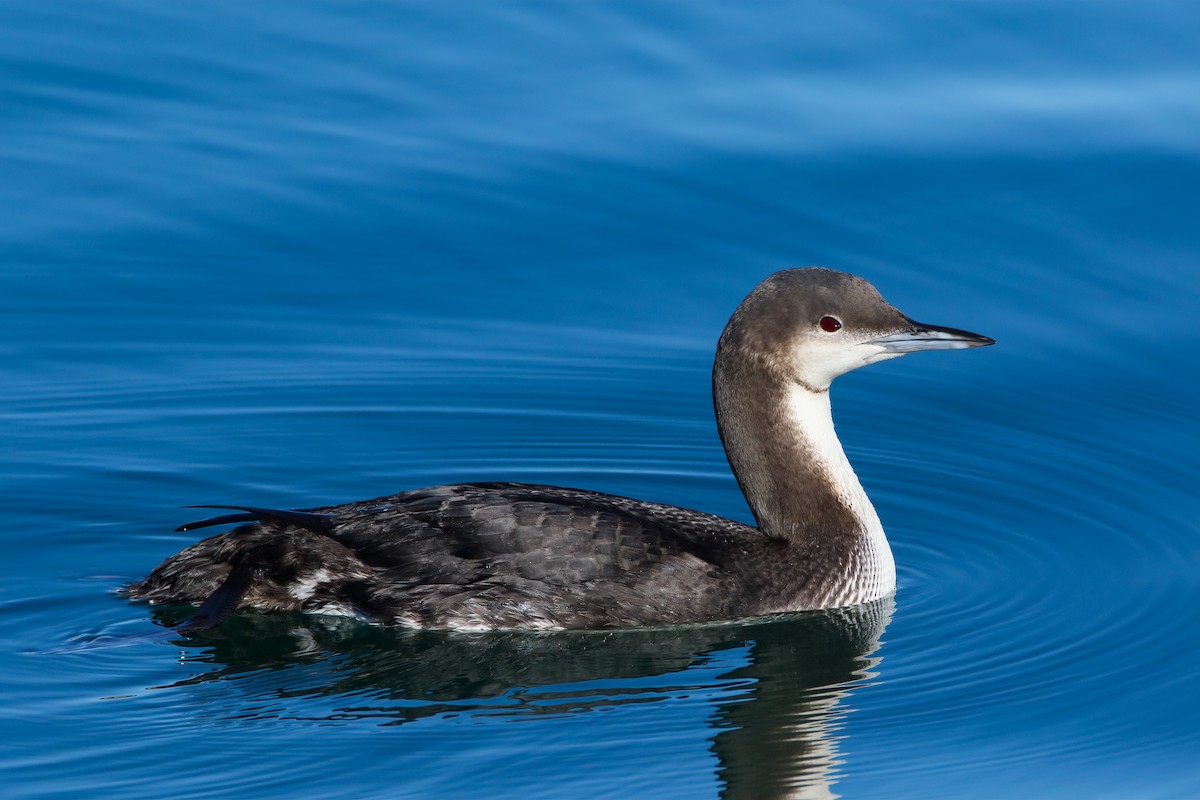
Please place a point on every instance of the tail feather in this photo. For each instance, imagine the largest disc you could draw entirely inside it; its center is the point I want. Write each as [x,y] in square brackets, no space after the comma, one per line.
[278,565]
[317,523]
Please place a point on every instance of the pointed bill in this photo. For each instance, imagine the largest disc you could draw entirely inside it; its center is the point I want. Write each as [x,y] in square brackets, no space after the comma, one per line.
[929,337]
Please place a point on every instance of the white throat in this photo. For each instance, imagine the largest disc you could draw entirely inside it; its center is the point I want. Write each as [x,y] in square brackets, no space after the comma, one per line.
[812,419]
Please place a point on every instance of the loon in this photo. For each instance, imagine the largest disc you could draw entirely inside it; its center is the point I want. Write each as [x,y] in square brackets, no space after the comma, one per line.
[480,556]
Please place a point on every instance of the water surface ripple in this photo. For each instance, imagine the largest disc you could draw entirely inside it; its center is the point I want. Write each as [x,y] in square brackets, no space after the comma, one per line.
[300,258]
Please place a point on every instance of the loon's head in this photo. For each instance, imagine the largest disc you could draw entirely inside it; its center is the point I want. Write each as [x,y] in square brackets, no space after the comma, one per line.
[814,324]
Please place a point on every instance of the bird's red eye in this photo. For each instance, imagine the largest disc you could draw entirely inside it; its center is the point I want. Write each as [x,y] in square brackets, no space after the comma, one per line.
[831,324]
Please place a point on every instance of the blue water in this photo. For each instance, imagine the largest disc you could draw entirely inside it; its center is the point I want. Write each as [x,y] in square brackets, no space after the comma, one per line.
[293,254]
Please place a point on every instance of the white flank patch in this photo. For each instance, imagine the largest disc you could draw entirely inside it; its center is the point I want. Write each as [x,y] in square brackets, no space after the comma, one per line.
[340,610]
[304,588]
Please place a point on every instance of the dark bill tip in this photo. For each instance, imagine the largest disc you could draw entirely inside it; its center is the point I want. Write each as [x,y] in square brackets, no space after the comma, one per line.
[930,337]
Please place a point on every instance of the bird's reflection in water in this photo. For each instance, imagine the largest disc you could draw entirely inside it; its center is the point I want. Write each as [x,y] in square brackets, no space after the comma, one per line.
[777,687]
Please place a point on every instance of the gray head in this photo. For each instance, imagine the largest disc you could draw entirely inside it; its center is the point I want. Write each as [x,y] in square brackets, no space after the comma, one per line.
[808,326]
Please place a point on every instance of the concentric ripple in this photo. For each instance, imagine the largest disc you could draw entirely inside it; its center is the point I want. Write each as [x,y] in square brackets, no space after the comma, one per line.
[298,257]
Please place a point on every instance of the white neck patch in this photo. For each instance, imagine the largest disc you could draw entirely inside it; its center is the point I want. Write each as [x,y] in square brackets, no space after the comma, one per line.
[812,417]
